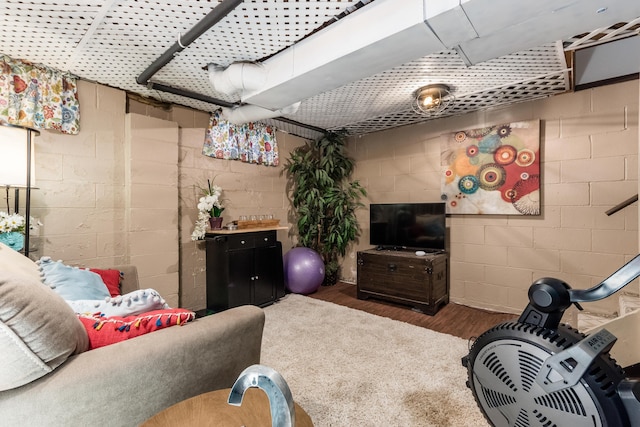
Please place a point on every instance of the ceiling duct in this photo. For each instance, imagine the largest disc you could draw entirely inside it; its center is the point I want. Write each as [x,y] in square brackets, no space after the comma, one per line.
[502,32]
[384,34]
[378,36]
[237,78]
[253,113]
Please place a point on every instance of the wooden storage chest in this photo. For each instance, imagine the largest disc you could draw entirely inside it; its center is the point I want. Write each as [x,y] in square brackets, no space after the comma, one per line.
[404,277]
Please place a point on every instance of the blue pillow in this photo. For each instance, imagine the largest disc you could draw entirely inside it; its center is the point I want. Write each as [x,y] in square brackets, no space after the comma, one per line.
[72,283]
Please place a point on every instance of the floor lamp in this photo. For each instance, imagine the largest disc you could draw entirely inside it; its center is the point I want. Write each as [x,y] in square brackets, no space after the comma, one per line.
[17,167]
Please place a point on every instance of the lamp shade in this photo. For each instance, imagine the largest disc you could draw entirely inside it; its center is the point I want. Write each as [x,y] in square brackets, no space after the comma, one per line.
[14,141]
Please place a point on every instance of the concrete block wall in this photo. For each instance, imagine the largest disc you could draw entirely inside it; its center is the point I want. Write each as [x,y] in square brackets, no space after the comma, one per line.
[247,189]
[589,143]
[80,184]
[151,202]
[108,195]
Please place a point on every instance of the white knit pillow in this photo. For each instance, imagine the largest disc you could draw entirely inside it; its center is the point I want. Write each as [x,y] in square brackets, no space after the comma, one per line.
[132,303]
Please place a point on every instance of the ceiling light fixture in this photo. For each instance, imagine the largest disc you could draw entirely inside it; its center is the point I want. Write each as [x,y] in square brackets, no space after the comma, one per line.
[431,99]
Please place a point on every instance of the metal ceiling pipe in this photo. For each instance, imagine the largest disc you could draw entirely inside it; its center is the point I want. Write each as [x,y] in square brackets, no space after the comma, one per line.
[302,125]
[211,19]
[189,94]
[225,104]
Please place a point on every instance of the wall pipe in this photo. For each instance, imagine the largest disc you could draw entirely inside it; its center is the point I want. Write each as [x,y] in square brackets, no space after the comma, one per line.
[622,205]
[295,123]
[189,94]
[210,100]
[212,18]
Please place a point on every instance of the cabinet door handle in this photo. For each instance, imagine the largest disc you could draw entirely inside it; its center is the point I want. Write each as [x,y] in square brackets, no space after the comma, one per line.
[256,277]
[242,242]
[266,239]
[392,267]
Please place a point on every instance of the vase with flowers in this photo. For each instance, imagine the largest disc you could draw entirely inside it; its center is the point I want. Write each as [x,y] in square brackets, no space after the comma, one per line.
[209,210]
[12,230]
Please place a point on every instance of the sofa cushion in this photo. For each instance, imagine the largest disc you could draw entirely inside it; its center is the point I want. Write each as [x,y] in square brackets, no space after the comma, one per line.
[11,260]
[72,283]
[104,331]
[38,330]
[111,278]
[132,303]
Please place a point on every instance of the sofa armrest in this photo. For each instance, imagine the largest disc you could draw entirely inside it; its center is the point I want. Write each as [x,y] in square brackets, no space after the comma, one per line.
[130,280]
[126,383]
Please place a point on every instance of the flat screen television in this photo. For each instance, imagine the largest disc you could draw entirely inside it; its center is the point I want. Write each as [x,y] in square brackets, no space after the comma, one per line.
[408,225]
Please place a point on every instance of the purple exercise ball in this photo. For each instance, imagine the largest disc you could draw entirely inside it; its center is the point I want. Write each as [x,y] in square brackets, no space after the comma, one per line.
[303,270]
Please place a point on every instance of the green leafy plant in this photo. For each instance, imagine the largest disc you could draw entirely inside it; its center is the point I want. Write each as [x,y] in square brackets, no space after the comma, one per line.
[324,198]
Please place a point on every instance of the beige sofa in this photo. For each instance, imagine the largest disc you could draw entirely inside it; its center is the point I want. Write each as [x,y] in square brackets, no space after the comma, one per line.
[125,383]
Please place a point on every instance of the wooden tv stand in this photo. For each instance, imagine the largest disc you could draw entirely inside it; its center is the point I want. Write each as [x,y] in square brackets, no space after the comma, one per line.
[404,277]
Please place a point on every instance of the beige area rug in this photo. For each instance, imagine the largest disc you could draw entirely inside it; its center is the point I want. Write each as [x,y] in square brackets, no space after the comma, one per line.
[349,368]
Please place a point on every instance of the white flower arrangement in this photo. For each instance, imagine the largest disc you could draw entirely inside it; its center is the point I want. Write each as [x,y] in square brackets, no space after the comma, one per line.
[11,223]
[209,206]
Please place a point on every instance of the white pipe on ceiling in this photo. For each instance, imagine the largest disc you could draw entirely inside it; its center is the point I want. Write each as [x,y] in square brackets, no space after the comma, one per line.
[254,113]
[237,78]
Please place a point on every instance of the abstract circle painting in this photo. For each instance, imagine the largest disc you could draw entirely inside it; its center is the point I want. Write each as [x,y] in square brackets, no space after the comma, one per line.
[496,169]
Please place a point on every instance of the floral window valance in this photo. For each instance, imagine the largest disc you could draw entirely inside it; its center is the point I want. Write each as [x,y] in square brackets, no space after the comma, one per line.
[39,97]
[250,142]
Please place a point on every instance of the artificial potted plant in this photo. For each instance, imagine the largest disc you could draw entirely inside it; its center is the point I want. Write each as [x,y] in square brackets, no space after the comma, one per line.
[209,210]
[324,199]
[12,227]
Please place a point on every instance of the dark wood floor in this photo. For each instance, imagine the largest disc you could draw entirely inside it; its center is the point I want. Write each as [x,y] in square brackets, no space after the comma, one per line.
[453,319]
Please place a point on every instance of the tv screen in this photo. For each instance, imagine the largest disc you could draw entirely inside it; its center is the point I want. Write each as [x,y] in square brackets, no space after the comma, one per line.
[408,225]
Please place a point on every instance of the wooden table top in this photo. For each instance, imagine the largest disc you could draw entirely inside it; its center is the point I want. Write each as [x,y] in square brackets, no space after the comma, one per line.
[212,409]
[244,230]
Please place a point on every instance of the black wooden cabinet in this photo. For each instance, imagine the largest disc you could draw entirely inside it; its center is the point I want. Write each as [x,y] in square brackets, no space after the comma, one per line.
[405,278]
[243,268]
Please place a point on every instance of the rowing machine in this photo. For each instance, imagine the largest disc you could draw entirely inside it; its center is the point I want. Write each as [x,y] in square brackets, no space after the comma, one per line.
[538,372]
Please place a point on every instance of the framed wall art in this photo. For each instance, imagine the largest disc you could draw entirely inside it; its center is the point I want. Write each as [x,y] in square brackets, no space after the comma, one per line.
[492,170]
